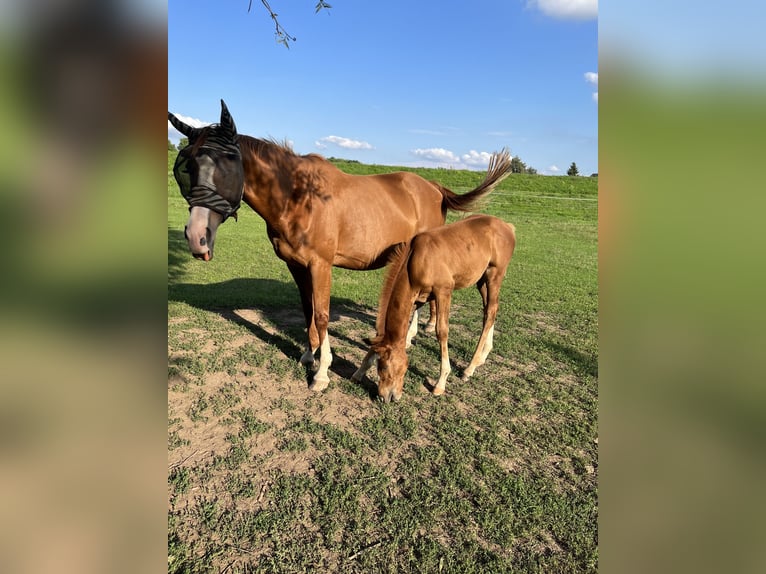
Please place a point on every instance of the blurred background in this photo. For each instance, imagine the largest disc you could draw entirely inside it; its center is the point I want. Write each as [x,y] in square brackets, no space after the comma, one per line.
[682,400]
[83,286]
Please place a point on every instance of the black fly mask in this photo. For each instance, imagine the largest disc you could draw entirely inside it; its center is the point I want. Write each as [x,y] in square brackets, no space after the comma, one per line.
[209,170]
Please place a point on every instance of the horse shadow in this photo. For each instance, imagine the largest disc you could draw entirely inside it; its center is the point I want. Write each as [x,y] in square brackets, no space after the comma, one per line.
[276,302]
[583,362]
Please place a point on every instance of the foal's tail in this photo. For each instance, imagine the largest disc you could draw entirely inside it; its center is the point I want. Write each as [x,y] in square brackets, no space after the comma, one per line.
[499,168]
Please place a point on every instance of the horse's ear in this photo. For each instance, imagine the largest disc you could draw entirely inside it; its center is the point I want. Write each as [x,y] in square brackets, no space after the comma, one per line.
[185,129]
[226,120]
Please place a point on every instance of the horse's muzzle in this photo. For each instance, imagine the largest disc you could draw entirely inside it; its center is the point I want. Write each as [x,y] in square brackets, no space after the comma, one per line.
[206,256]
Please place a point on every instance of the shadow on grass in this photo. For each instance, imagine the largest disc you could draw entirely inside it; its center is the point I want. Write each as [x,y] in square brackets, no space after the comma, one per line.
[580,361]
[278,302]
[178,255]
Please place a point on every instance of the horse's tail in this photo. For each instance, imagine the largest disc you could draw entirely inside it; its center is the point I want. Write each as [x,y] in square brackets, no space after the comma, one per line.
[499,168]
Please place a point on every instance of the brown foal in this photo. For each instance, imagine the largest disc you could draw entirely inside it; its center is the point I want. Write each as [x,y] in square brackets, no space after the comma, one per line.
[473,251]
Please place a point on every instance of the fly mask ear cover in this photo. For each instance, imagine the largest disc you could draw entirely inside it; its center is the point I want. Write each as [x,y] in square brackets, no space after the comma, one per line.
[217,166]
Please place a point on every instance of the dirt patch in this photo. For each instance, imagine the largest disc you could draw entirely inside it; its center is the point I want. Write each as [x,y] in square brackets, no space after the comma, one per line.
[275,392]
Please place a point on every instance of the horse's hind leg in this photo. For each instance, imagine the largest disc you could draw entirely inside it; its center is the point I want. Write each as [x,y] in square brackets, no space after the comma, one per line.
[489,287]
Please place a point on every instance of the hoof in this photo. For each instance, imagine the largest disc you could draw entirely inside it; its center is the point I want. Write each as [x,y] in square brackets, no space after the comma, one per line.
[307,358]
[318,384]
[430,327]
[438,391]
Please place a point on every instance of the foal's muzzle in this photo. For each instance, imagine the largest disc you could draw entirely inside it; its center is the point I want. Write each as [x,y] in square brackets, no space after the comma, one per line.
[388,396]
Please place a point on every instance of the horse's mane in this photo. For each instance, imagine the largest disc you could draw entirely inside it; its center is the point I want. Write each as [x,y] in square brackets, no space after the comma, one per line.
[259,146]
[396,262]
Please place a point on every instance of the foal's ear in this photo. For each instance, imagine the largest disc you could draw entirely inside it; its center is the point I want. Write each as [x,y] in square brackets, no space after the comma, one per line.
[227,121]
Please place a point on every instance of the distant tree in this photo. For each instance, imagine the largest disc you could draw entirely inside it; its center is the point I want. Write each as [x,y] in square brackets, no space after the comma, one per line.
[171,147]
[183,143]
[594,174]
[531,170]
[518,166]
[573,169]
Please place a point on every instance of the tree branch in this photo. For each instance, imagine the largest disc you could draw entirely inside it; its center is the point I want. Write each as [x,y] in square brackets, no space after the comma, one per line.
[280,34]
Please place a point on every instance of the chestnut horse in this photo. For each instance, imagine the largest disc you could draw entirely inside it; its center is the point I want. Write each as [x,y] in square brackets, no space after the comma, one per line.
[475,250]
[316,216]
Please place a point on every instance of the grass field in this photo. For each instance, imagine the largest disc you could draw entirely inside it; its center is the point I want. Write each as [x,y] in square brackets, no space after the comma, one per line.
[498,475]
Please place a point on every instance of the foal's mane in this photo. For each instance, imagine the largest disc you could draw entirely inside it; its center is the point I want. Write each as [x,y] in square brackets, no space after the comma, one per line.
[396,262]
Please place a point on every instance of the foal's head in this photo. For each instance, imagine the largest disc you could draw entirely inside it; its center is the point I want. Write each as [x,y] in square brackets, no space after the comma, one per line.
[392,365]
[211,178]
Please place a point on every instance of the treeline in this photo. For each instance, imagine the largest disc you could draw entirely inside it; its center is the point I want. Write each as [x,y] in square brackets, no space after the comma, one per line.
[517,166]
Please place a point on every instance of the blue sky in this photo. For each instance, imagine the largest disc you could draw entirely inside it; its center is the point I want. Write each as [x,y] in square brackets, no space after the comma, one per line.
[398,82]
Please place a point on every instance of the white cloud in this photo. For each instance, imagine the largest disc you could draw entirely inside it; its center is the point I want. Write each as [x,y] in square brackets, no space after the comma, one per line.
[174,135]
[567,9]
[436,154]
[342,142]
[554,169]
[476,159]
[592,78]
[445,158]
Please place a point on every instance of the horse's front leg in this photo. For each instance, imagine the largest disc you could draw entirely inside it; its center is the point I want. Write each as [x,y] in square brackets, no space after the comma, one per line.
[321,278]
[302,279]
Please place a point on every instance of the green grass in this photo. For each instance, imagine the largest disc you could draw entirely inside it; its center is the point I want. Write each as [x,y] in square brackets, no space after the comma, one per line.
[498,475]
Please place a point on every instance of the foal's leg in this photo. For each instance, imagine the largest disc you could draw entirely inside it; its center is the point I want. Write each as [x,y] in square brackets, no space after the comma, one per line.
[413,330]
[367,362]
[489,287]
[302,279]
[443,300]
[431,325]
[321,277]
